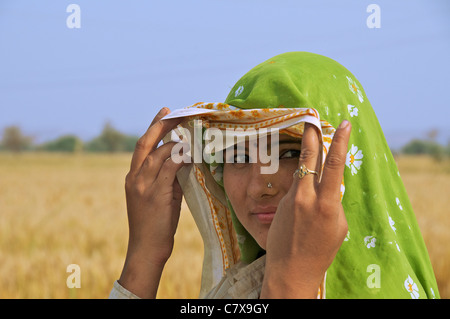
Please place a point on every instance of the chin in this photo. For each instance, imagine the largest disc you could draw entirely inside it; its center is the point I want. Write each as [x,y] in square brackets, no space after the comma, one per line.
[262,241]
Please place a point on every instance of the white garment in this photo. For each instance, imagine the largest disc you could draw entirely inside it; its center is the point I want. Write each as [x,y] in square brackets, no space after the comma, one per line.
[119,292]
[241,281]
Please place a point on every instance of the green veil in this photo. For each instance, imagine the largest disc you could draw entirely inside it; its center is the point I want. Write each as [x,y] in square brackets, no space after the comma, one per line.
[383,255]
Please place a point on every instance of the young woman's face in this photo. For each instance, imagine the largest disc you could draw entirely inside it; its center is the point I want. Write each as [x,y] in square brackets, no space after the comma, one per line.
[253,201]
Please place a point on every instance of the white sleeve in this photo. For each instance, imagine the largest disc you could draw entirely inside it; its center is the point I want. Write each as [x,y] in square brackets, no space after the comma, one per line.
[119,292]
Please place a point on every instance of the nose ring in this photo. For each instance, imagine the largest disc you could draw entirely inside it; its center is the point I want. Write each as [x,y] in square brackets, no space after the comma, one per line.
[269,185]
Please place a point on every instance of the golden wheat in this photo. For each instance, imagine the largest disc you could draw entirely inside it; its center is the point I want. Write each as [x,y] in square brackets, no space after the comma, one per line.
[427,183]
[58,209]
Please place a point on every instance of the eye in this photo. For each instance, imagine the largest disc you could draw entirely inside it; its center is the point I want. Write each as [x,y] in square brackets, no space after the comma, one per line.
[241,158]
[237,157]
[290,154]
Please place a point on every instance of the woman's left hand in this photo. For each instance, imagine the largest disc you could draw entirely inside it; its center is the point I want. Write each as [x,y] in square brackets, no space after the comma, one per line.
[309,225]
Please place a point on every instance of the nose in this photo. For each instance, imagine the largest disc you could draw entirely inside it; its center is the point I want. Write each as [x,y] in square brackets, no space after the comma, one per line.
[258,186]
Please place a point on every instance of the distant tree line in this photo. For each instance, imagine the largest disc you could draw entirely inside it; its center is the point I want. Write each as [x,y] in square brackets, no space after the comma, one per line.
[427,147]
[110,140]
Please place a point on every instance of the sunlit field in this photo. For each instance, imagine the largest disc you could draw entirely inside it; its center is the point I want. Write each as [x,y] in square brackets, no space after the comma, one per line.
[57,210]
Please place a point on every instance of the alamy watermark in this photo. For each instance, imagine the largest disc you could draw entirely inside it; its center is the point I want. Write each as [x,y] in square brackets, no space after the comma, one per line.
[374,279]
[74,279]
[213,145]
[73,21]
[374,19]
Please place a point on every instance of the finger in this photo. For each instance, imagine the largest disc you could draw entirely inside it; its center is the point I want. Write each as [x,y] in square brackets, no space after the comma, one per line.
[161,113]
[177,191]
[140,149]
[154,161]
[333,170]
[149,141]
[167,174]
[309,155]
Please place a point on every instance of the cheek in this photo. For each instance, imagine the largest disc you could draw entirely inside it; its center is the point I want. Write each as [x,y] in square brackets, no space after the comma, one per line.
[235,186]
[229,183]
[284,176]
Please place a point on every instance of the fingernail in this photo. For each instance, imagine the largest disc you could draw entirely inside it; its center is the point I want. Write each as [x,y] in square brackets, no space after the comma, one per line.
[344,124]
[163,111]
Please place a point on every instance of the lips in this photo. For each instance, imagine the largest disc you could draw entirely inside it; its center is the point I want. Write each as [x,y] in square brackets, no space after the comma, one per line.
[264,214]
[265,218]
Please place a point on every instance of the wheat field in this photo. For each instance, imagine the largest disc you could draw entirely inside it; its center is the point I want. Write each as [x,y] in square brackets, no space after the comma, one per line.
[61,209]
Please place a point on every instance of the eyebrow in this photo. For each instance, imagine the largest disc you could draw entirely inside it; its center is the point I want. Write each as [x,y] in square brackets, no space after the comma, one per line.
[288,140]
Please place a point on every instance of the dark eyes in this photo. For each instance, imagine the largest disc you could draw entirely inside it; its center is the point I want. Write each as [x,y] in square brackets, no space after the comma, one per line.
[290,154]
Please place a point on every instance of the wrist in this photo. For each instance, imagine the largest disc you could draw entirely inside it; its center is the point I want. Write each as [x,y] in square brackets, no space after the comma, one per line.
[285,283]
[141,276]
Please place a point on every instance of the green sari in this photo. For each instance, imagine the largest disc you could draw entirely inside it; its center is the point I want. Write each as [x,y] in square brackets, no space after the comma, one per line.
[383,254]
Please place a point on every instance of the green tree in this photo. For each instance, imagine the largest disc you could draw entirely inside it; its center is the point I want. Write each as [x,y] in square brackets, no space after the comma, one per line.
[111,140]
[66,143]
[417,147]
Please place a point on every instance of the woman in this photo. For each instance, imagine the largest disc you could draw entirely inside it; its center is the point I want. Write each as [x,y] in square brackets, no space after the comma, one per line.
[282,234]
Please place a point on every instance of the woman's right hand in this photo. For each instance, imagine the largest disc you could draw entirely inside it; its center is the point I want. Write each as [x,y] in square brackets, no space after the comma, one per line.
[153,197]
[310,225]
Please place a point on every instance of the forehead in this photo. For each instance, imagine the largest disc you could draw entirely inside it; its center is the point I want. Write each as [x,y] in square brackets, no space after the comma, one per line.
[283,138]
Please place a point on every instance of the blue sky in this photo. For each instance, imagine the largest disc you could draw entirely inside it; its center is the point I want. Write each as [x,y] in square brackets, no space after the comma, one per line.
[130,58]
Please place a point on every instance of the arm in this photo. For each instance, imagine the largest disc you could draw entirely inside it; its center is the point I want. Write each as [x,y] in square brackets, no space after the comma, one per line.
[153,205]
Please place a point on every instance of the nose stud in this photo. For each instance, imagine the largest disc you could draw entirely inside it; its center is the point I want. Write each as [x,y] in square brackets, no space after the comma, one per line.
[269,185]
